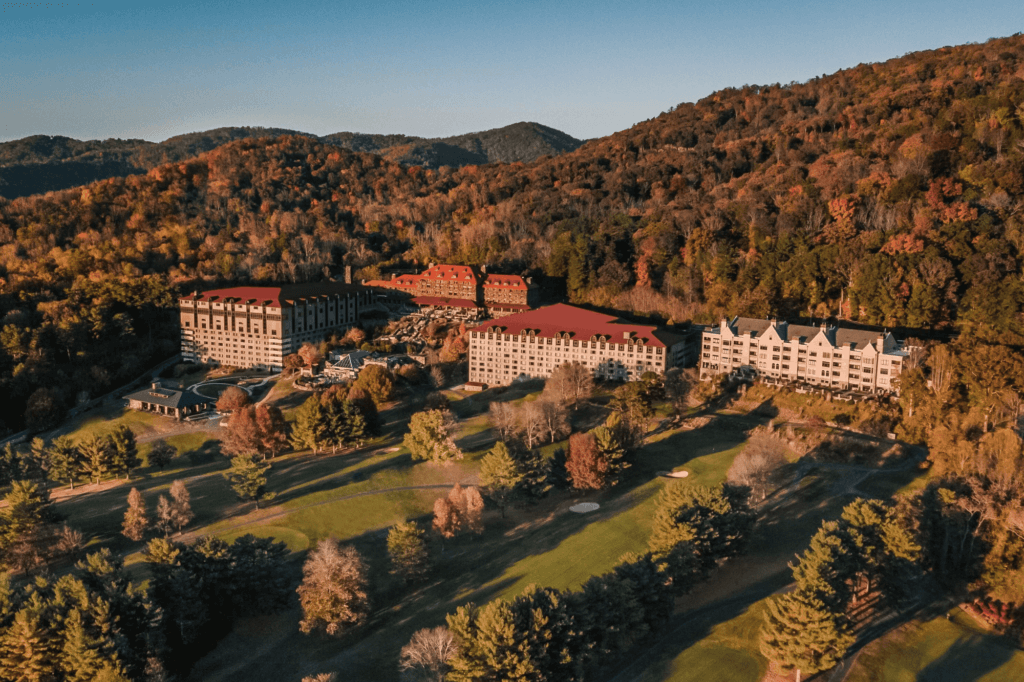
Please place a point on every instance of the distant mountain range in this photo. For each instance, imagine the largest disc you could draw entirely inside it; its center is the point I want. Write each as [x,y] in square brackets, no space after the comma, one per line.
[41,163]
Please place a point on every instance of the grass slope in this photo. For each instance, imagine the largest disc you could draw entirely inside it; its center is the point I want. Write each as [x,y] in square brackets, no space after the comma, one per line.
[939,650]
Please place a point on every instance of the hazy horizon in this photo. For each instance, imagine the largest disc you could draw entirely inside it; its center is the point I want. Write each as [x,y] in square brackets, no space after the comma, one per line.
[113,70]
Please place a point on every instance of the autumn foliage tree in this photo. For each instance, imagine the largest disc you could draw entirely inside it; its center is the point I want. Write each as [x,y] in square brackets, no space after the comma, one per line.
[587,467]
[334,593]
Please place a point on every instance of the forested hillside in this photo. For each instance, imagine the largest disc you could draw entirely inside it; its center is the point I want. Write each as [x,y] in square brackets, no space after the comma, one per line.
[41,163]
[888,193]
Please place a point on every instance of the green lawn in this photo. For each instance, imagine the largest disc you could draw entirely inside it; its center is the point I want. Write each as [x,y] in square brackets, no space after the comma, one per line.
[104,421]
[939,650]
[602,542]
[728,653]
[606,539]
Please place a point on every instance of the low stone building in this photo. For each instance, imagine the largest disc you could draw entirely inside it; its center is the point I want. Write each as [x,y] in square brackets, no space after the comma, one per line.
[169,401]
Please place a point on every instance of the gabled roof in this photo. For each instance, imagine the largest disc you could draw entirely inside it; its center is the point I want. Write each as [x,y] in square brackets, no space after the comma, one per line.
[350,360]
[840,337]
[504,282]
[580,324]
[462,273]
[272,296]
[169,397]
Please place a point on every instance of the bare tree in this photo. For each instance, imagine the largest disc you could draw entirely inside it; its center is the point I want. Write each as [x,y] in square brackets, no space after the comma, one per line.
[427,654]
[943,366]
[503,419]
[759,464]
[570,383]
[556,419]
[530,419]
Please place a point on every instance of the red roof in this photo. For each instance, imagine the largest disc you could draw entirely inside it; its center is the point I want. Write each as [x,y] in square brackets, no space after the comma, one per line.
[444,302]
[400,282]
[504,282]
[582,324]
[451,272]
[271,296]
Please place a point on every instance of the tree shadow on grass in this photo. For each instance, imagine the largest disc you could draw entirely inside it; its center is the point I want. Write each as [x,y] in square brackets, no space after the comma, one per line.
[330,474]
[969,658]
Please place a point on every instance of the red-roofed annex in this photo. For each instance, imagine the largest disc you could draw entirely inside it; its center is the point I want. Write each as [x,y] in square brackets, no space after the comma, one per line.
[500,294]
[531,344]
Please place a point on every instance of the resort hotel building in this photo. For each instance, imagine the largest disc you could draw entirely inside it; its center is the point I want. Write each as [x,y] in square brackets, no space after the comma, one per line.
[257,326]
[531,344]
[824,356]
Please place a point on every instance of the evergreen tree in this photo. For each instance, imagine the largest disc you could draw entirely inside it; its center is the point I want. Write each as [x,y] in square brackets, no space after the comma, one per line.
[260,578]
[430,437]
[500,475]
[343,424]
[309,430]
[34,464]
[716,522]
[249,479]
[827,568]
[135,519]
[97,459]
[27,648]
[79,660]
[124,451]
[10,465]
[27,526]
[64,461]
[407,551]
[801,632]
[490,645]
[364,403]
[161,453]
[610,444]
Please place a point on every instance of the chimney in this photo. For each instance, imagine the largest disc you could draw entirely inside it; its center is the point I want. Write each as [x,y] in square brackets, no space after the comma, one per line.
[348,274]
[626,335]
[529,280]
[483,269]
[880,344]
[430,266]
[155,384]
[392,275]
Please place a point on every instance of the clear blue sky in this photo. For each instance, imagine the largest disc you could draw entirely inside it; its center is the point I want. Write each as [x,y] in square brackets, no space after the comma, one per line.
[152,70]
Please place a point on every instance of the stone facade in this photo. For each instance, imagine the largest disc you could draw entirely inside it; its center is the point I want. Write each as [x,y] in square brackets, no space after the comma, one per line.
[501,294]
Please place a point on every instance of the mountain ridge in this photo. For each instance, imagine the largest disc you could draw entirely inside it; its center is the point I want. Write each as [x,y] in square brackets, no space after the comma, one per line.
[43,163]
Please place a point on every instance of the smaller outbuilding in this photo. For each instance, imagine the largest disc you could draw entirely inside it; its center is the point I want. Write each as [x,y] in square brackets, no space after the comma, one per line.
[168,401]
